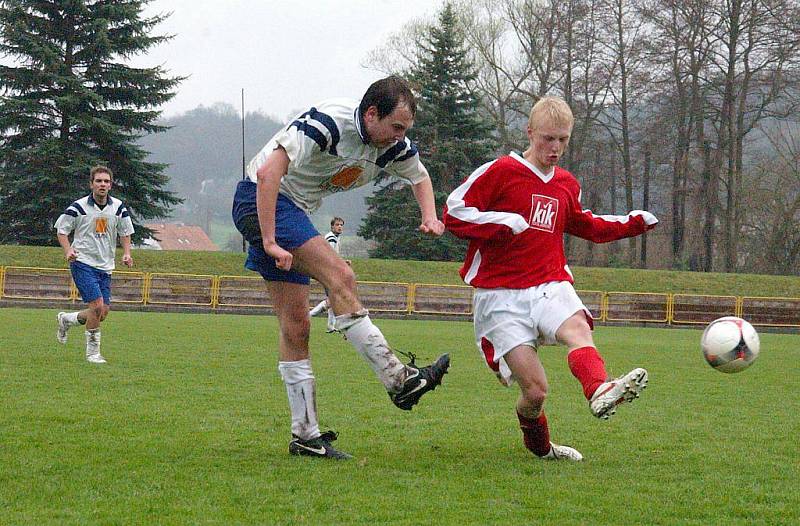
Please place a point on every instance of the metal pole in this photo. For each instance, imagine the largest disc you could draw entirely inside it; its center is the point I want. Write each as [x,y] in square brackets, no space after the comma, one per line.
[244,176]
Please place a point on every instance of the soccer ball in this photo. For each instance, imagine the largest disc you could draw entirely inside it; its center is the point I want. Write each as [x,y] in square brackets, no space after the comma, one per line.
[730,344]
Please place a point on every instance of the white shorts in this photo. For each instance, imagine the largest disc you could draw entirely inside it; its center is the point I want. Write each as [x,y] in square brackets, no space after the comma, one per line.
[507,318]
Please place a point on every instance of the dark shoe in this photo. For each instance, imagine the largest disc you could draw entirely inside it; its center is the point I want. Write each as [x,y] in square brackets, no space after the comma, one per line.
[419,381]
[318,447]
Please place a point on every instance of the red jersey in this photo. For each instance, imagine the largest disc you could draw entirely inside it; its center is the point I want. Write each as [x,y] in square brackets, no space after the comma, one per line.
[514,217]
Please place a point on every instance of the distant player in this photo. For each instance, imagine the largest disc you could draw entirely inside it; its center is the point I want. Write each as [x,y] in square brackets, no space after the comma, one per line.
[332,237]
[335,146]
[96,220]
[514,212]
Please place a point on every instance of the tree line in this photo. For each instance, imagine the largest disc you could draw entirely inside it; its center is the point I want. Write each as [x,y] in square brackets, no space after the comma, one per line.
[688,108]
[689,105]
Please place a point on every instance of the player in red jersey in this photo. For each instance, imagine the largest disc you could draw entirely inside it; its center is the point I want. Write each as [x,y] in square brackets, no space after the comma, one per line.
[514,212]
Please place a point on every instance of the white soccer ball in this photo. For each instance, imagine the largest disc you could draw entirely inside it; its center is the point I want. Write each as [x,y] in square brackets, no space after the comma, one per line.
[730,344]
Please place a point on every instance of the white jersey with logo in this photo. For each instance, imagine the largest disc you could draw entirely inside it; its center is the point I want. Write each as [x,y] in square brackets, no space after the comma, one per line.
[333,241]
[329,152]
[95,229]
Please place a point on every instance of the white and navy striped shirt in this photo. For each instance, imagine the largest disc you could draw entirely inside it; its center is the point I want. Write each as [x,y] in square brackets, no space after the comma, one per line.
[329,152]
[333,241]
[96,229]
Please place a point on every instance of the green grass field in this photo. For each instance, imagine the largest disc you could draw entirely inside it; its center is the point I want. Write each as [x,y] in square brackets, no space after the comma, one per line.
[188,423]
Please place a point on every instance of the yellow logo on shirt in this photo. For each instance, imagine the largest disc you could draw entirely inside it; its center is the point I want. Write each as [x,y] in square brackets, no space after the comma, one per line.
[100,225]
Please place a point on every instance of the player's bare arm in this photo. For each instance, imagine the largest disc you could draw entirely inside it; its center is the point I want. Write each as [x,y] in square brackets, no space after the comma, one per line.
[127,259]
[423,193]
[70,254]
[269,180]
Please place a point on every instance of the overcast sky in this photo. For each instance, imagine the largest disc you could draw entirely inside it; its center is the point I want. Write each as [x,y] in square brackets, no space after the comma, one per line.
[286,54]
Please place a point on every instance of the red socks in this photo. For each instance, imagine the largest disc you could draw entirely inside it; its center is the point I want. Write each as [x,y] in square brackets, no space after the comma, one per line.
[588,367]
[535,434]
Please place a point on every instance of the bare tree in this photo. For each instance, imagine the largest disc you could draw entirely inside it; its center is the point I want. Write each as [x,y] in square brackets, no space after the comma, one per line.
[771,228]
[622,39]
[678,54]
[500,74]
[397,54]
[757,62]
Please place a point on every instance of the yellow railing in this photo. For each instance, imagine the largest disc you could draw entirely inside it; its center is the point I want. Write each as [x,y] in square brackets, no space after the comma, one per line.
[770,312]
[702,309]
[32,283]
[180,289]
[637,306]
[128,287]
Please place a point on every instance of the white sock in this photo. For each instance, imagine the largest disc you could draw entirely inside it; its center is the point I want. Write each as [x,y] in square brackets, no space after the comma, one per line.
[92,342]
[331,320]
[302,390]
[321,306]
[70,318]
[370,343]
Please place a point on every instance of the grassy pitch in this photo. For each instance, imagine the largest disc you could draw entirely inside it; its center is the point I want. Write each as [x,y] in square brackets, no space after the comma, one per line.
[188,423]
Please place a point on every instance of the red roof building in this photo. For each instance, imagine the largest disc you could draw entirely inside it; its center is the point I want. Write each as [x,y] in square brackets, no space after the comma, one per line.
[178,236]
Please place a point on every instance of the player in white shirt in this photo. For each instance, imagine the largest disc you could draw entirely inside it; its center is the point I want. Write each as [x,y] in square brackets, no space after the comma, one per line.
[95,222]
[335,146]
[332,237]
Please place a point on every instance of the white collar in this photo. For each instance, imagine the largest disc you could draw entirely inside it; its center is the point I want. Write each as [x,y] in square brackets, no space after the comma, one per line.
[545,177]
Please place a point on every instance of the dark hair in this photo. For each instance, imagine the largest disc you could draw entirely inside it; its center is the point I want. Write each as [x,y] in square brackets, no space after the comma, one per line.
[100,169]
[335,219]
[386,94]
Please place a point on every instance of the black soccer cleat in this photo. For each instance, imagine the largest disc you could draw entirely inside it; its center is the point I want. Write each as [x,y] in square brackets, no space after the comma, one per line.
[318,447]
[419,381]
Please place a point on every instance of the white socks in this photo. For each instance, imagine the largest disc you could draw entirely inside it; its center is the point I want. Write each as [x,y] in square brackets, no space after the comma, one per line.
[321,306]
[302,390]
[93,344]
[370,344]
[70,318]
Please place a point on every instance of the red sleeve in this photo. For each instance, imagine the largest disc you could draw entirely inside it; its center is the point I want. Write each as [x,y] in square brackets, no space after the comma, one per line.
[468,212]
[605,228]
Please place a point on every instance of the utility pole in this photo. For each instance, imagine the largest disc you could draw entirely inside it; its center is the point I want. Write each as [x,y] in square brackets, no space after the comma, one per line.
[244,176]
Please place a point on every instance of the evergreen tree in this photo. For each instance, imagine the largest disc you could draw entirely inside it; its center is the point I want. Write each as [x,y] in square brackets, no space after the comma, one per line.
[453,136]
[68,102]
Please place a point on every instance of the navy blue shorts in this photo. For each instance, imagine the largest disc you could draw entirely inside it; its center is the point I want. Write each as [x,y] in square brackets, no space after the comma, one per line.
[292,229]
[91,282]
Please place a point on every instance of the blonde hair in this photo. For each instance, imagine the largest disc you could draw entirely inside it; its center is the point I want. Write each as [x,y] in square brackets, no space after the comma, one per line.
[550,110]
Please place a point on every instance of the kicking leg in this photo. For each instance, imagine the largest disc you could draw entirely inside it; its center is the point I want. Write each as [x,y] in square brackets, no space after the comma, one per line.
[405,383]
[587,366]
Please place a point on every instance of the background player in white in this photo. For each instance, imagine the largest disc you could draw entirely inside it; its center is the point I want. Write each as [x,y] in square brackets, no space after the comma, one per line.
[333,238]
[335,146]
[96,221]
[514,212]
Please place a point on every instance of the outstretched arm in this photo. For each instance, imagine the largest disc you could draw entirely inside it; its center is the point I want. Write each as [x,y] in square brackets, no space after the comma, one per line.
[423,193]
[605,228]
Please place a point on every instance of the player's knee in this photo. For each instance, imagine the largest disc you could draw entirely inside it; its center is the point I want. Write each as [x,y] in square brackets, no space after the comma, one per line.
[345,279]
[535,396]
[98,311]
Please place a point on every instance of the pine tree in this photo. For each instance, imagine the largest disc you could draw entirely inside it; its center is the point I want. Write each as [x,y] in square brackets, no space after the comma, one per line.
[453,136]
[69,102]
